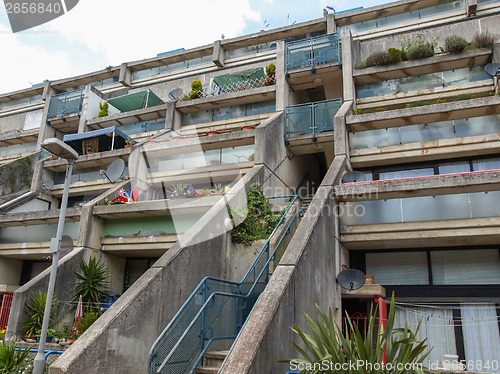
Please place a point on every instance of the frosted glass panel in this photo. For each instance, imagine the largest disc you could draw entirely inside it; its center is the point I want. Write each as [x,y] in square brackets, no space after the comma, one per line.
[480,165]
[36,233]
[454,167]
[238,154]
[429,208]
[485,204]
[475,266]
[477,126]
[193,160]
[406,173]
[368,212]
[427,132]
[374,138]
[398,268]
[16,149]
[212,157]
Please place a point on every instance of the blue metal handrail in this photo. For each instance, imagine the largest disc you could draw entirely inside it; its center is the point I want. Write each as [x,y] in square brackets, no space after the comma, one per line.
[215,310]
[65,103]
[311,117]
[314,51]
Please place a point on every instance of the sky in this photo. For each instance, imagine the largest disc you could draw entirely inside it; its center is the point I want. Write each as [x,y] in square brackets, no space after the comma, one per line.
[100,33]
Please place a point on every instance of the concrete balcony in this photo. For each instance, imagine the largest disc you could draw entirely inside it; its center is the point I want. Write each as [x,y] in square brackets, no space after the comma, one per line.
[127,118]
[424,114]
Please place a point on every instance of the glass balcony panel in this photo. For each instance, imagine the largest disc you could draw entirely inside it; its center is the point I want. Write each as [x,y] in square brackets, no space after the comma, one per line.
[427,132]
[196,118]
[229,112]
[171,162]
[299,119]
[212,157]
[406,173]
[16,149]
[429,208]
[326,49]
[238,154]
[477,126]
[262,107]
[454,167]
[481,165]
[485,204]
[299,54]
[325,112]
[36,233]
[363,26]
[369,212]
[375,138]
[398,18]
[194,160]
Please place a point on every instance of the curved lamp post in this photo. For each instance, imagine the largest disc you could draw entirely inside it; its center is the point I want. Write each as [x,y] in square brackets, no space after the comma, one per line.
[60,149]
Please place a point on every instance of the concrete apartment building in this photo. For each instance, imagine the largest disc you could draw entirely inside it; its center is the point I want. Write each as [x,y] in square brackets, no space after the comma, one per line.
[425,222]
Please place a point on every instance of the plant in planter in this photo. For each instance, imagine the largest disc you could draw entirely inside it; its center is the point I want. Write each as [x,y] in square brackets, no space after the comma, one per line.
[454,44]
[104,109]
[483,40]
[92,284]
[418,48]
[64,332]
[270,77]
[35,309]
[50,335]
[196,91]
[177,191]
[129,142]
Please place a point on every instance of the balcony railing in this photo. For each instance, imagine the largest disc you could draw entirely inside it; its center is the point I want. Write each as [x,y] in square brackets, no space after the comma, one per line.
[65,103]
[311,118]
[313,51]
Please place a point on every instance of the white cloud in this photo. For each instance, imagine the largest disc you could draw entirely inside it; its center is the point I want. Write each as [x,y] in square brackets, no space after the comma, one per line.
[124,30]
[22,64]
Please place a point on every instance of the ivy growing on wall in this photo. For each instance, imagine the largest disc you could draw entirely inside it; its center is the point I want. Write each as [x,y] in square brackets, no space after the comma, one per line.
[258,219]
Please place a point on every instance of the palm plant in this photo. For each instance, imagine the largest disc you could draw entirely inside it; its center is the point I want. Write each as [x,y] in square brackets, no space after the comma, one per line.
[327,343]
[35,309]
[11,359]
[92,284]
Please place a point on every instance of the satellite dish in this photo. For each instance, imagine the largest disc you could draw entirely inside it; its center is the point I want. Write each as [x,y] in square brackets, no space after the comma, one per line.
[492,69]
[353,176]
[66,244]
[115,170]
[351,279]
[48,184]
[174,94]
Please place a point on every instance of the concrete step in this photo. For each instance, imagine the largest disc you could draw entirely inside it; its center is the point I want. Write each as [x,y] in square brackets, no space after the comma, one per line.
[207,370]
[215,358]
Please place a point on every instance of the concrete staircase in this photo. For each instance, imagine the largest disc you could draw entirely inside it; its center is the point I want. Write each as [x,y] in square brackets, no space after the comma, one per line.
[213,362]
[305,201]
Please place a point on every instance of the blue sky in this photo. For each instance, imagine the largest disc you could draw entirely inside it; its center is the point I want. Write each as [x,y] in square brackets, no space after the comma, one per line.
[99,33]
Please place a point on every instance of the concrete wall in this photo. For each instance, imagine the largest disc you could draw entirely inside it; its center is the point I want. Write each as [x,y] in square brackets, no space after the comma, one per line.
[16,175]
[306,275]
[65,283]
[10,271]
[120,341]
[489,24]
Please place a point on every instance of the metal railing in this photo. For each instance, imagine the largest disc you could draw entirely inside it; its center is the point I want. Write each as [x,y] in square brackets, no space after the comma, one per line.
[319,50]
[65,103]
[311,118]
[216,310]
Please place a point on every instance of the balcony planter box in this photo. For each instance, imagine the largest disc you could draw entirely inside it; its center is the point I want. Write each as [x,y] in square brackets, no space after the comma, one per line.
[48,339]
[246,128]
[213,132]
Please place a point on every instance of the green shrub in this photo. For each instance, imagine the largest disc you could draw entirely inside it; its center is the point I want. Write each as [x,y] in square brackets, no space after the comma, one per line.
[104,109]
[35,309]
[397,55]
[464,97]
[361,65]
[424,103]
[12,360]
[379,59]
[483,40]
[418,48]
[86,321]
[270,74]
[455,44]
[255,222]
[92,284]
[343,349]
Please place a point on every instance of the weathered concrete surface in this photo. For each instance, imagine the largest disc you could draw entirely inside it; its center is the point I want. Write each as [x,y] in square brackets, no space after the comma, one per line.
[429,113]
[65,283]
[423,186]
[120,341]
[305,275]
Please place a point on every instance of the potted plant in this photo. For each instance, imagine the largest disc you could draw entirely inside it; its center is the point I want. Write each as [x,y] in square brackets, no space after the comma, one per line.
[196,91]
[129,142]
[247,127]
[213,132]
[35,308]
[50,335]
[270,75]
[218,189]
[104,109]
[177,191]
[86,321]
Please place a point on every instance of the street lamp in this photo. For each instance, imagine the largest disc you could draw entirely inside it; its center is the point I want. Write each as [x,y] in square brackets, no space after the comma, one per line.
[61,149]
